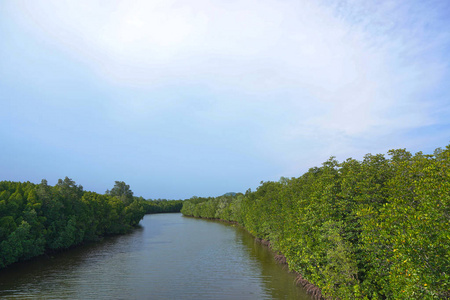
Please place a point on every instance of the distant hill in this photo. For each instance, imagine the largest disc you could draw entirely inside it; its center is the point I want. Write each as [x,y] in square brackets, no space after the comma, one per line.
[230,194]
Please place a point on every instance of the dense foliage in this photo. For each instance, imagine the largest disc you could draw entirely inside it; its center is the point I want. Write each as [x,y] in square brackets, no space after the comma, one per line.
[162,206]
[38,218]
[372,229]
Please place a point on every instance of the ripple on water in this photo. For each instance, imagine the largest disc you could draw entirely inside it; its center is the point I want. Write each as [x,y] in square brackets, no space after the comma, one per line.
[170,257]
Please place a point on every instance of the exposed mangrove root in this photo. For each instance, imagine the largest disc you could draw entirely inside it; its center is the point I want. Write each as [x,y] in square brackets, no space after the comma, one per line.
[310,288]
[281,259]
[263,242]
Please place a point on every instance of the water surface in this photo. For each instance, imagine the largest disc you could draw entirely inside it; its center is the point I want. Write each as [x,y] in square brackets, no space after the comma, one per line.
[169,257]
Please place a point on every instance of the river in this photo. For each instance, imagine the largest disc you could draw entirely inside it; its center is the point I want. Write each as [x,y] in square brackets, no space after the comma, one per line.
[168,257]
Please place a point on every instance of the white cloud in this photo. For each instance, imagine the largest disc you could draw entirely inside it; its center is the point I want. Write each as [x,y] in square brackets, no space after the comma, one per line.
[342,71]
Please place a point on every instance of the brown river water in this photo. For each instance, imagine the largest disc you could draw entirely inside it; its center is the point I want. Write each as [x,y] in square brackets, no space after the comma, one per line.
[168,257]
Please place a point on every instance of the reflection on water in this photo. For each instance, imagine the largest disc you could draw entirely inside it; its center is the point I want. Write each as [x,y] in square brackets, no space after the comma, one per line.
[169,257]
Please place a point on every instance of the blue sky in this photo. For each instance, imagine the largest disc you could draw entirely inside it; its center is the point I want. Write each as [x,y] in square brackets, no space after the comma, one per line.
[182,98]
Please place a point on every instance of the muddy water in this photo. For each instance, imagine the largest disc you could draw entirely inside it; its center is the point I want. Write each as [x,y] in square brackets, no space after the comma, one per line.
[169,257]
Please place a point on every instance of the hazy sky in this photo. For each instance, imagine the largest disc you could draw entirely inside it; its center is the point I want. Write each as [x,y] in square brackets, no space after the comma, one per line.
[182,98]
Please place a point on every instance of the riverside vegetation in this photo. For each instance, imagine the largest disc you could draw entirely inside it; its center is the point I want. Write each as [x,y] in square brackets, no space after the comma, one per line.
[38,218]
[371,229]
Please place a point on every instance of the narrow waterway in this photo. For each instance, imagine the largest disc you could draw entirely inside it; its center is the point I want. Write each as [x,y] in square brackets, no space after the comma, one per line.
[169,257]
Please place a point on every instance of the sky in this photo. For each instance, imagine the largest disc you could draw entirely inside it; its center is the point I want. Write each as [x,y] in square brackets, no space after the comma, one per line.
[183,98]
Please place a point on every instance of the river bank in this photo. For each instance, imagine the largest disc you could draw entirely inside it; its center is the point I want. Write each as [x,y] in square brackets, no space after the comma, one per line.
[314,291]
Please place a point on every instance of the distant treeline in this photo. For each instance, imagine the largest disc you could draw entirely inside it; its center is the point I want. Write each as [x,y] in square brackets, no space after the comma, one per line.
[372,229]
[162,206]
[38,218]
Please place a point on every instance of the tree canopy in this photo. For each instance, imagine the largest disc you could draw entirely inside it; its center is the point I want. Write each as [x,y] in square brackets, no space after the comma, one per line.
[122,191]
[38,218]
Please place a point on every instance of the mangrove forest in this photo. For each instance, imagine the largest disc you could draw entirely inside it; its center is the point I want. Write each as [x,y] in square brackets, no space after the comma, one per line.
[39,218]
[371,229]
